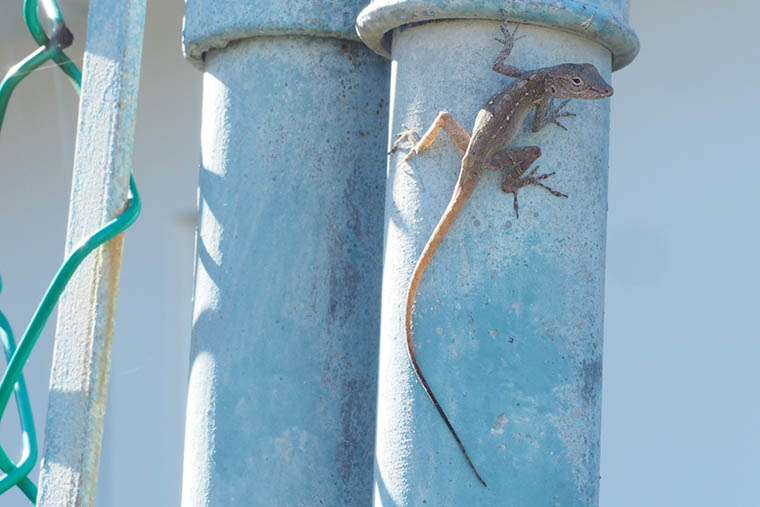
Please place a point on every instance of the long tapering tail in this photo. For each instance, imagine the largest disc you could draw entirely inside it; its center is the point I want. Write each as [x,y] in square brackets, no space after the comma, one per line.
[455,205]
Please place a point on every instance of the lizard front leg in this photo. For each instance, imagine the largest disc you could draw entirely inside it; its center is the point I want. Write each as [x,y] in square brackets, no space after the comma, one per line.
[444,121]
[547,112]
[509,42]
[522,158]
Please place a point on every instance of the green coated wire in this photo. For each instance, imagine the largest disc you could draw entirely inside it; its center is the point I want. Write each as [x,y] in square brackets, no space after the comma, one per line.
[50,299]
[18,72]
[59,27]
[12,380]
[25,417]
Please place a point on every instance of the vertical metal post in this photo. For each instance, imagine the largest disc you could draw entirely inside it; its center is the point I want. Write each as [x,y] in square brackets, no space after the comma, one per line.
[508,320]
[102,164]
[281,398]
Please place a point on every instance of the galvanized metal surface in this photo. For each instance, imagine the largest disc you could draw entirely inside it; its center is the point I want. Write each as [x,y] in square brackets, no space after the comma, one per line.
[508,321]
[603,21]
[79,378]
[213,25]
[281,401]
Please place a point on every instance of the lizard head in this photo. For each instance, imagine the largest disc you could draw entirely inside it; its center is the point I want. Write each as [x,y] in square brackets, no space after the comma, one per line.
[576,81]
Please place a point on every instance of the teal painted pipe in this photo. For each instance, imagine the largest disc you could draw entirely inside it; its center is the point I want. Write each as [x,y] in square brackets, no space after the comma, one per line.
[282,388]
[509,314]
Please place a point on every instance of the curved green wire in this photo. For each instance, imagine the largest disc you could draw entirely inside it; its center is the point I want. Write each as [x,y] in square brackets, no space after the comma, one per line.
[39,35]
[18,72]
[29,437]
[65,272]
[13,380]
[50,299]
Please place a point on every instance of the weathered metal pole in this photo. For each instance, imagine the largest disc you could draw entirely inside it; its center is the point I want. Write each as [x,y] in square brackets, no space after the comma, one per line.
[281,400]
[508,320]
[102,165]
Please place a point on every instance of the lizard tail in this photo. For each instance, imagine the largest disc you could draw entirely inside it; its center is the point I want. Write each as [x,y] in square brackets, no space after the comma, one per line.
[455,205]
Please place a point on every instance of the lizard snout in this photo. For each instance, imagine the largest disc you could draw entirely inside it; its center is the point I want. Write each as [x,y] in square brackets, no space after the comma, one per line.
[604,91]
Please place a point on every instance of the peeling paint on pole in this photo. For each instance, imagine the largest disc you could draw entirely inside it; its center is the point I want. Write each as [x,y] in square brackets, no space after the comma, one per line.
[102,165]
[509,315]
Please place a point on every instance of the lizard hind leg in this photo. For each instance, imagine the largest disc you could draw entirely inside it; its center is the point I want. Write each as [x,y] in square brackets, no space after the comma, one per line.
[406,134]
[521,158]
[536,180]
[512,186]
[453,128]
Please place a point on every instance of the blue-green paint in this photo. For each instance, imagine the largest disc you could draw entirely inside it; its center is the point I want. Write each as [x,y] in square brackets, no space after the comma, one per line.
[213,25]
[508,320]
[281,399]
[603,21]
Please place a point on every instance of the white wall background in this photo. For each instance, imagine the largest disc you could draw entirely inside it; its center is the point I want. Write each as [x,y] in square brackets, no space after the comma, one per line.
[681,418]
[681,412]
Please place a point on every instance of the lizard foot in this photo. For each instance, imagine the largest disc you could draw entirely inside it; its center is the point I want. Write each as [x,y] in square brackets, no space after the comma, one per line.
[508,42]
[553,113]
[405,135]
[509,38]
[510,186]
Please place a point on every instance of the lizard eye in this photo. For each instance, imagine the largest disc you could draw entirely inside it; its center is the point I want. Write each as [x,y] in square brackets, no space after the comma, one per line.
[577,81]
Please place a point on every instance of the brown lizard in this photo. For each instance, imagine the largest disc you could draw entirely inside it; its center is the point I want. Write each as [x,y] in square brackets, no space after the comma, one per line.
[495,126]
